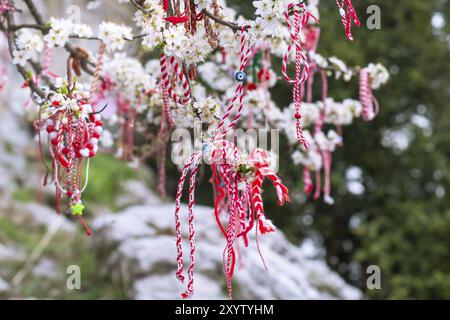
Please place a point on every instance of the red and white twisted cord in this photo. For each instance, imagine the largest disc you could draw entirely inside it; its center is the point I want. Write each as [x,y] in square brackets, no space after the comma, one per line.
[326,155]
[348,17]
[192,162]
[301,19]
[369,104]
[98,67]
[190,287]
[321,120]
[307,180]
[170,64]
[239,92]
[167,109]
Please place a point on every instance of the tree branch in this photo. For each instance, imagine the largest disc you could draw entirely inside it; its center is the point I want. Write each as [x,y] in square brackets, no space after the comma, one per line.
[231,25]
[139,7]
[11,37]
[30,26]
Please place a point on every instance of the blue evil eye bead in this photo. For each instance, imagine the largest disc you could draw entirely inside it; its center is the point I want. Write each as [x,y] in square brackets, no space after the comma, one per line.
[205,148]
[240,76]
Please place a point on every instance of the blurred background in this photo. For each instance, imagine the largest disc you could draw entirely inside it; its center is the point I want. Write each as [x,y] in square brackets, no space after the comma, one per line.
[390,183]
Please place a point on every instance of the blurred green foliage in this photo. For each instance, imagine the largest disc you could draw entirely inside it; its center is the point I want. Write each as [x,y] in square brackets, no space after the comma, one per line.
[106,185]
[402,220]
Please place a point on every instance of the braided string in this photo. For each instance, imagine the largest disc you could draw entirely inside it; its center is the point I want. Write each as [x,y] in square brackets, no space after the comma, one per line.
[190,287]
[301,19]
[165,63]
[370,106]
[307,180]
[348,17]
[188,165]
[239,92]
[98,67]
[321,120]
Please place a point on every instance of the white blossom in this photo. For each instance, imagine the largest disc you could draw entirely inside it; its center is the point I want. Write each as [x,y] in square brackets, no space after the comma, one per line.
[114,36]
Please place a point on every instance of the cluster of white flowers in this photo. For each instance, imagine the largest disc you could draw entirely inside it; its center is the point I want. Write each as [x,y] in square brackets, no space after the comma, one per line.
[207,110]
[197,48]
[62,101]
[114,36]
[62,29]
[340,68]
[215,76]
[311,159]
[28,44]
[329,141]
[270,14]
[151,24]
[378,75]
[128,76]
[175,40]
[341,114]
[203,4]
[59,32]
[336,113]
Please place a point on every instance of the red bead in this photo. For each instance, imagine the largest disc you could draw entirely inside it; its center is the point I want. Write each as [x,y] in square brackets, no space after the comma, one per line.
[69,194]
[251,86]
[96,135]
[50,128]
[92,117]
[56,103]
[65,150]
[298,116]
[90,146]
[99,123]
[54,142]
[91,154]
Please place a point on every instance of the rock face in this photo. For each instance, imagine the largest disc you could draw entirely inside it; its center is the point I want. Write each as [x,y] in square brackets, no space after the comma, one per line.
[140,243]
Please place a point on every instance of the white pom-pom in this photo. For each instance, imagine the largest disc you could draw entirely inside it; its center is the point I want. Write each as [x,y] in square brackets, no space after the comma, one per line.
[84,152]
[52,135]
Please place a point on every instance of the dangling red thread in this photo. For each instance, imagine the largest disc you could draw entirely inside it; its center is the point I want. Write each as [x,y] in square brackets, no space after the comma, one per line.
[192,165]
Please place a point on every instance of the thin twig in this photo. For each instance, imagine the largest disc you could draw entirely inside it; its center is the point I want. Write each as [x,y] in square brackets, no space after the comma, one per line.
[34,12]
[141,8]
[11,37]
[231,25]
[31,26]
